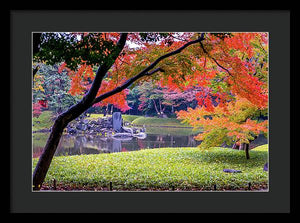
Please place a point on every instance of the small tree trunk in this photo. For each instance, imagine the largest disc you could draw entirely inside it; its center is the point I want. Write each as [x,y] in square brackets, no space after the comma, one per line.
[247,151]
[160,108]
[245,146]
[156,109]
[105,111]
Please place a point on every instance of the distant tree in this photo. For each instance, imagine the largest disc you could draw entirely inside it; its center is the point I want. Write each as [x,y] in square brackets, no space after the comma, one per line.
[239,87]
[52,87]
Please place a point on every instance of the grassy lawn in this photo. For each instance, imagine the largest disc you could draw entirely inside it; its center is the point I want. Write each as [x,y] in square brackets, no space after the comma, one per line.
[153,121]
[95,116]
[263,148]
[172,131]
[161,169]
[44,121]
[127,118]
[130,118]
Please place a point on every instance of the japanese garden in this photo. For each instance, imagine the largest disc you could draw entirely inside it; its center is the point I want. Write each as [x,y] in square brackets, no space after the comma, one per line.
[150,111]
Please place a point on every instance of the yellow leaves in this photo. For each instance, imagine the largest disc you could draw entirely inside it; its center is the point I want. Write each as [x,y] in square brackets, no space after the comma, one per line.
[37,83]
[219,125]
[39,88]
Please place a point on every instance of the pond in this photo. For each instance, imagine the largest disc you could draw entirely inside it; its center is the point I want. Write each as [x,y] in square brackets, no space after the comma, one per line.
[95,144]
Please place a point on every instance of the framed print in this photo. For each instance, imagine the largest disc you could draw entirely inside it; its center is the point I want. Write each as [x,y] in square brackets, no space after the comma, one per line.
[150,111]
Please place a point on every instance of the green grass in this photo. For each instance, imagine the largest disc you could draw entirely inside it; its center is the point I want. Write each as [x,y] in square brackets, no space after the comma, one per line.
[183,168]
[127,118]
[172,131]
[130,118]
[95,116]
[263,148]
[153,121]
[44,121]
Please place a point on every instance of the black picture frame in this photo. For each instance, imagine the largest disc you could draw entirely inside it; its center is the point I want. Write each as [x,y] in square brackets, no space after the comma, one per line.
[24,22]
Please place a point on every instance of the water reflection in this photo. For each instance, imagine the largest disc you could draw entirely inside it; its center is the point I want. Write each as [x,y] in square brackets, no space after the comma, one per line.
[88,144]
[95,144]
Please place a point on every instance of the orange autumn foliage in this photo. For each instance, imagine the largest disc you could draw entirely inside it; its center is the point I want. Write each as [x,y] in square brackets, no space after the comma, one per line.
[232,71]
[81,83]
[233,124]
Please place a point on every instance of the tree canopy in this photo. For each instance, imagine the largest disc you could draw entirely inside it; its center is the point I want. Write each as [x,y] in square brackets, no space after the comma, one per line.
[227,74]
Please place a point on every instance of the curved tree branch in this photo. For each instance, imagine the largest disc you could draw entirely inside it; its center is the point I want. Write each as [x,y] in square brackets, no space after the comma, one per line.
[204,50]
[147,71]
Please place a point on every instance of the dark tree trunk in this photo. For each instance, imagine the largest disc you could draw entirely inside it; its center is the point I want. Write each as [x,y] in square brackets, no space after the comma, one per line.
[62,120]
[156,109]
[56,132]
[160,108]
[88,100]
[245,147]
[242,146]
[48,153]
[247,151]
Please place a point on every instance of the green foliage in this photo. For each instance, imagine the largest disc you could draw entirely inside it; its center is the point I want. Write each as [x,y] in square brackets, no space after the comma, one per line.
[53,88]
[215,138]
[163,168]
[72,48]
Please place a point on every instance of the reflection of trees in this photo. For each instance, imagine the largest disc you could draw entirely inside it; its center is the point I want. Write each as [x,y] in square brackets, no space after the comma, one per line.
[91,144]
[141,144]
[171,141]
[116,145]
[191,141]
[88,145]
[159,141]
[37,151]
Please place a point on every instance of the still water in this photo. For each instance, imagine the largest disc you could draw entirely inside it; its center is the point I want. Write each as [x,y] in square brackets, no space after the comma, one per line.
[95,144]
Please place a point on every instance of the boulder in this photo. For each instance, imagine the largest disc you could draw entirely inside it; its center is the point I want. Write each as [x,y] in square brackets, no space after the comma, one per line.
[266,167]
[79,126]
[117,121]
[85,121]
[231,171]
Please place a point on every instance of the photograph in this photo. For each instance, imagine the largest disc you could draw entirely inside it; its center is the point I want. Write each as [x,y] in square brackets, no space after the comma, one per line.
[150,111]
